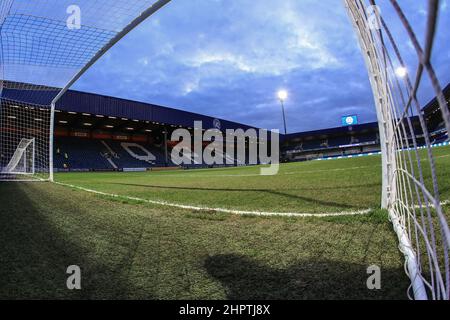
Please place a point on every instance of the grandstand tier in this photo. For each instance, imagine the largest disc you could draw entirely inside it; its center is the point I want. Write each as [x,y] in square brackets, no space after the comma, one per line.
[96,132]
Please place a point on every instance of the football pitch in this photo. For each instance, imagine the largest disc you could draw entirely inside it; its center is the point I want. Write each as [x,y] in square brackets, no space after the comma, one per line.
[186,245]
[329,186]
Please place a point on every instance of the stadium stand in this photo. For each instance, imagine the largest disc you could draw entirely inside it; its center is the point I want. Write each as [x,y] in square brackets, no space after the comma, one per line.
[123,158]
[332,142]
[91,131]
[79,154]
[98,155]
[358,139]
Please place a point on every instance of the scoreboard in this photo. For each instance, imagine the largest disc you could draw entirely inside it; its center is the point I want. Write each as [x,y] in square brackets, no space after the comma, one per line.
[349,121]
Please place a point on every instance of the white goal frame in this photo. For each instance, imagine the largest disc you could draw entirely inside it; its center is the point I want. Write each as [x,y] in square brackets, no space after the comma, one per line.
[20,154]
[56,59]
[144,15]
[415,211]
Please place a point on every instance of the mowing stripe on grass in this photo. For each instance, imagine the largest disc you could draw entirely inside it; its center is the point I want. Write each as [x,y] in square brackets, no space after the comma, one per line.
[222,210]
[200,175]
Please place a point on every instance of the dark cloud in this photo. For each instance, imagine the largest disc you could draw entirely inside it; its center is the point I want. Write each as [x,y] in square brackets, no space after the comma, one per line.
[228,58]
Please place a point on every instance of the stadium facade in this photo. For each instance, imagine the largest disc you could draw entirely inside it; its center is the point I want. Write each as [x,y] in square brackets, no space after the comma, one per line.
[98,132]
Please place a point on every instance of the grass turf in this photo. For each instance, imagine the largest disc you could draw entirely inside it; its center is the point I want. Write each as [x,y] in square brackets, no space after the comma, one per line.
[311,187]
[130,250]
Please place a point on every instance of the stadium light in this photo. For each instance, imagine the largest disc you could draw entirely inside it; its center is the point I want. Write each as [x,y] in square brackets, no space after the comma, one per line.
[283,95]
[401,72]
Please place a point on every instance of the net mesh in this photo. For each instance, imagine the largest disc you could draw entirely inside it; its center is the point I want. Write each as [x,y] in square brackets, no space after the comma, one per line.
[44,45]
[410,183]
[20,123]
[22,161]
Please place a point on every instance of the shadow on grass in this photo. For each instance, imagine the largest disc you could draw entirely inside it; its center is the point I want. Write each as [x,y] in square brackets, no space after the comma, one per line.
[45,229]
[245,279]
[38,245]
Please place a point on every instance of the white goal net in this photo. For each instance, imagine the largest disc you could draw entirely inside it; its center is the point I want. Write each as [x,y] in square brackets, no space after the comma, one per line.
[24,141]
[22,161]
[410,176]
[46,46]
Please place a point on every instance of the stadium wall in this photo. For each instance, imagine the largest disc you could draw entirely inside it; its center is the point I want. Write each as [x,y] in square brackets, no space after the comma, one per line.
[82,102]
[95,104]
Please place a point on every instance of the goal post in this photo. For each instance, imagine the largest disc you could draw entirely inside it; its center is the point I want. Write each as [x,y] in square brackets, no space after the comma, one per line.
[157,5]
[45,47]
[24,140]
[410,190]
[22,160]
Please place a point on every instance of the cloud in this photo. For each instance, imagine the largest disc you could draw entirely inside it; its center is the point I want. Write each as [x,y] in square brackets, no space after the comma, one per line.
[143,61]
[228,58]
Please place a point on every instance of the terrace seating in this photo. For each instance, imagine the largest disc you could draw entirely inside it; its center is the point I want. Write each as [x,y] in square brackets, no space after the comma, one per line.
[311,145]
[85,154]
[332,146]
[77,153]
[440,138]
[367,138]
[340,141]
[135,155]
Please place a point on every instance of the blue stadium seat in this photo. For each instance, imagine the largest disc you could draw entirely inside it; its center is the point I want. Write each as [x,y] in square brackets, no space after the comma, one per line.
[76,153]
[80,154]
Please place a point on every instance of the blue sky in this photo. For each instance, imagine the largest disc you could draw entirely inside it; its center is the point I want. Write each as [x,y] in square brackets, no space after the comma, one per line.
[228,58]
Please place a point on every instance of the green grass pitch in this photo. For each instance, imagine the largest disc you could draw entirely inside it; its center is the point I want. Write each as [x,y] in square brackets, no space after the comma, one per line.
[130,249]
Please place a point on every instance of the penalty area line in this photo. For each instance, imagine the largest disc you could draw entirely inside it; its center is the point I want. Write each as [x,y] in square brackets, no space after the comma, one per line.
[220,210]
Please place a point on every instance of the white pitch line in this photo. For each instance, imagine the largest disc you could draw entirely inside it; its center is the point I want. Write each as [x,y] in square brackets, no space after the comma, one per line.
[222,210]
[444,203]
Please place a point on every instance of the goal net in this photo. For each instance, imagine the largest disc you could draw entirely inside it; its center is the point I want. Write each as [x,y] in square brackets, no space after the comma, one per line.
[24,141]
[46,46]
[410,178]
[22,161]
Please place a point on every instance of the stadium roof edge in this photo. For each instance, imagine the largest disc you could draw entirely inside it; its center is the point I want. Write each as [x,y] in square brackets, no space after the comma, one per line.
[94,103]
[335,130]
[433,101]
[159,106]
[99,104]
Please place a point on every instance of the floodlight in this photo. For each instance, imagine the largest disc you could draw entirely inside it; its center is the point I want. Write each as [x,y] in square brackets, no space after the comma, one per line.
[282,95]
[401,72]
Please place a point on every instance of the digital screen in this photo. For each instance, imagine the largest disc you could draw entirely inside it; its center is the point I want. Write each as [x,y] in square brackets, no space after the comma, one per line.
[349,120]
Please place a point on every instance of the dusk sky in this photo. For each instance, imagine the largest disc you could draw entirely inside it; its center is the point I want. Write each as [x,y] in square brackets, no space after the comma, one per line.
[228,58]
